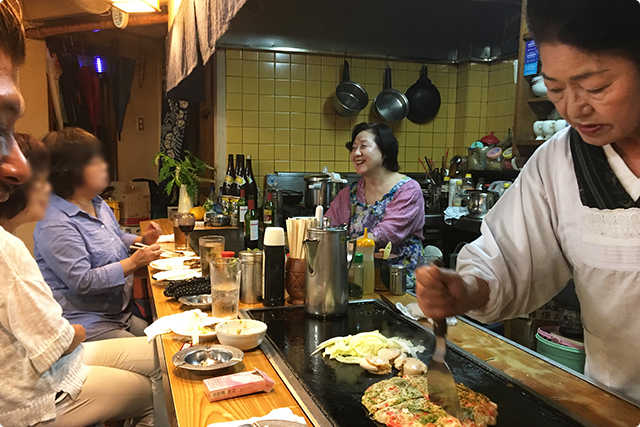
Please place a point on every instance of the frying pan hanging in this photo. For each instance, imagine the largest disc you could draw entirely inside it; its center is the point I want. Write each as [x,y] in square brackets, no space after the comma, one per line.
[350,98]
[424,99]
[390,105]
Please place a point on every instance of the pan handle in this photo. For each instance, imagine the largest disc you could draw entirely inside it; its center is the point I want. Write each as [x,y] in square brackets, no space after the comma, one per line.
[387,78]
[345,71]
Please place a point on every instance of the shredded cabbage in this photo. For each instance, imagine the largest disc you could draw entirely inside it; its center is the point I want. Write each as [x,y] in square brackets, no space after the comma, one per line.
[352,349]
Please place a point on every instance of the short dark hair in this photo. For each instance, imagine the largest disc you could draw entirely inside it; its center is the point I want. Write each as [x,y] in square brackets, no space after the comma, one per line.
[12,37]
[71,151]
[594,26]
[384,139]
[38,157]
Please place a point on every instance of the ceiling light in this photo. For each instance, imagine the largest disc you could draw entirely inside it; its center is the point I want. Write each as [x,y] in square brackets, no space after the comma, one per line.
[136,6]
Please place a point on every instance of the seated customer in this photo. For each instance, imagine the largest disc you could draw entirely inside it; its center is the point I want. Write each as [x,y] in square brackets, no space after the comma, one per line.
[81,251]
[49,377]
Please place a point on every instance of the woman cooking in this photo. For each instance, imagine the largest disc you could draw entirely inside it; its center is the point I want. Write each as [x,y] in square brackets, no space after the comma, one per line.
[574,211]
[81,251]
[387,203]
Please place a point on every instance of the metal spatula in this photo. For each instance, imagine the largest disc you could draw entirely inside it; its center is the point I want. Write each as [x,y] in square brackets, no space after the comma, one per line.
[442,387]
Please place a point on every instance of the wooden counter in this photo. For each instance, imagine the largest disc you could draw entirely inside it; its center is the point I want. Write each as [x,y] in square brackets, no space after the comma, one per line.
[190,408]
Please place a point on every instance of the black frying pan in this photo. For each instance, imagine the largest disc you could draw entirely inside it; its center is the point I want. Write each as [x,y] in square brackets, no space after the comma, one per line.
[424,99]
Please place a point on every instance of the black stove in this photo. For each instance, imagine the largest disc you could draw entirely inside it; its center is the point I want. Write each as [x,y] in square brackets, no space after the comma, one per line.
[330,392]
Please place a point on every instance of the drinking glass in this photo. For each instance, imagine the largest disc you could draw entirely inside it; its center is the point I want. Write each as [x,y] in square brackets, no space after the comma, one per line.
[225,287]
[211,247]
[186,223]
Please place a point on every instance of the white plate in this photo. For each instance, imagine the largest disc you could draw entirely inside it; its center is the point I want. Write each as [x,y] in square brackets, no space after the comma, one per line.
[167,264]
[176,275]
[183,254]
[185,328]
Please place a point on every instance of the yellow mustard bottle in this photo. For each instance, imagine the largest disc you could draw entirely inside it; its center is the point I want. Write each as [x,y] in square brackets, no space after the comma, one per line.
[367,247]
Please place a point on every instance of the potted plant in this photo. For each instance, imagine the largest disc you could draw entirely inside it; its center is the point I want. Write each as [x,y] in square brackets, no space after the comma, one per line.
[185,174]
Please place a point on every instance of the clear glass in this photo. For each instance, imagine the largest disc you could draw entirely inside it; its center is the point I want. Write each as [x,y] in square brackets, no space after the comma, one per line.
[356,280]
[211,247]
[186,222]
[225,287]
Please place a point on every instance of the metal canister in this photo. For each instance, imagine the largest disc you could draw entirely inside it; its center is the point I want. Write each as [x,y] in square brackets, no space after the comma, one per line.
[397,280]
[251,276]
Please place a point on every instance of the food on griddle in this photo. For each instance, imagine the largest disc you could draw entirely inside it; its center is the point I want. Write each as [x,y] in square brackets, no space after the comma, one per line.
[376,365]
[353,349]
[413,366]
[400,402]
[388,393]
[192,286]
[416,413]
[192,264]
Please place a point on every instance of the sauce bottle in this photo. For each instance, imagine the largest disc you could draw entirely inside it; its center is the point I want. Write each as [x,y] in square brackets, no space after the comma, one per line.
[356,276]
[366,247]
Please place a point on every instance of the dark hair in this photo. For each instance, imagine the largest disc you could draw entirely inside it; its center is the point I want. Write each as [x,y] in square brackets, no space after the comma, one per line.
[594,26]
[384,139]
[12,32]
[38,157]
[71,151]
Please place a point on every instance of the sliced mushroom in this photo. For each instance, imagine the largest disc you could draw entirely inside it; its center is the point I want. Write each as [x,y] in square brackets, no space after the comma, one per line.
[400,360]
[390,354]
[413,366]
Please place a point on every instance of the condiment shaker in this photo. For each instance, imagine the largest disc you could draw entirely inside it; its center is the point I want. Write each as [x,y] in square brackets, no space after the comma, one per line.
[397,280]
[251,276]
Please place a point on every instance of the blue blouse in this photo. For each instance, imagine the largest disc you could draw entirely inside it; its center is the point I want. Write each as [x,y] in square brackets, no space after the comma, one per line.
[79,256]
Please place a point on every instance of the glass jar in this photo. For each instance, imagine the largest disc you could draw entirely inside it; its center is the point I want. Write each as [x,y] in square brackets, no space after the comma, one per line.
[494,159]
[507,157]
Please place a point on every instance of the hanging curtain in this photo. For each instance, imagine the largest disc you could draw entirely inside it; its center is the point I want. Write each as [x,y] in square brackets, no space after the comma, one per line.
[211,19]
[123,71]
[90,84]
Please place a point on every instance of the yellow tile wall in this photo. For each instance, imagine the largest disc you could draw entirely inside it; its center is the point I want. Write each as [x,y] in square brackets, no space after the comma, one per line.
[279,109]
[501,98]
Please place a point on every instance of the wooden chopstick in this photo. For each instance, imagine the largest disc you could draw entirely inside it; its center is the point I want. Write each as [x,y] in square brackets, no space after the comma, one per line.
[139,245]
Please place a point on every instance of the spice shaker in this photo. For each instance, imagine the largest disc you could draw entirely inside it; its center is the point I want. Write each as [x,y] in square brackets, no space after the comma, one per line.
[251,276]
[397,280]
[273,284]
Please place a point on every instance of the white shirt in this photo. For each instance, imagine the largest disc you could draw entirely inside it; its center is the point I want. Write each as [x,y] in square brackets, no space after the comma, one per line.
[33,337]
[538,236]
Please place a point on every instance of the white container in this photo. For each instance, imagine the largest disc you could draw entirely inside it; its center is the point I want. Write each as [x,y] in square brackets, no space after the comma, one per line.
[537,130]
[538,87]
[244,334]
[548,128]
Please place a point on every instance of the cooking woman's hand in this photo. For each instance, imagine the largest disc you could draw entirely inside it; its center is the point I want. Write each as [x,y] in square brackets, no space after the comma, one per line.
[151,234]
[443,293]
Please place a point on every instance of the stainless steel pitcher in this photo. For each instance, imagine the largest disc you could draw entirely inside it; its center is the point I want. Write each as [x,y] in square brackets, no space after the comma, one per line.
[328,262]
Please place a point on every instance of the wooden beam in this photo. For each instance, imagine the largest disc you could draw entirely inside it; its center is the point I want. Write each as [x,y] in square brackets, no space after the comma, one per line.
[103,23]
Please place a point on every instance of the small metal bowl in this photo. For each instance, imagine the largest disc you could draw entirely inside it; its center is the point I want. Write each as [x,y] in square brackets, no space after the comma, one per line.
[218,220]
[207,358]
[202,301]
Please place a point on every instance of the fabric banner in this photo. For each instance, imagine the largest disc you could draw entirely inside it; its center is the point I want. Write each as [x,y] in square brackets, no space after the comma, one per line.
[211,19]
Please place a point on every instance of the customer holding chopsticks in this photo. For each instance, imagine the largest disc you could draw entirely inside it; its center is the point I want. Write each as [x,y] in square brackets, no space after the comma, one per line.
[81,251]
[387,203]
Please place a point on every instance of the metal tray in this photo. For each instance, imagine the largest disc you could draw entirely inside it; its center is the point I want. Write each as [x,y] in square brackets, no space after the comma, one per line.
[330,392]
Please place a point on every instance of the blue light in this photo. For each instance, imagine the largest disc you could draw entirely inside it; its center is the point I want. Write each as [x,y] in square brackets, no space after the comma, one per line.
[100,64]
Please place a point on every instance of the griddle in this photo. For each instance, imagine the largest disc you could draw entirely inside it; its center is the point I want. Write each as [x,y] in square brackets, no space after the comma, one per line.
[330,392]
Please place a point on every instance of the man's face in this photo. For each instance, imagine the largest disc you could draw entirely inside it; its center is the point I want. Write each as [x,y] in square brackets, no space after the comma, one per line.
[13,166]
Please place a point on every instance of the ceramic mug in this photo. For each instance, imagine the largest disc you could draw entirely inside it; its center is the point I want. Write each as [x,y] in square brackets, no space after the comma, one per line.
[548,128]
[560,124]
[537,130]
[538,87]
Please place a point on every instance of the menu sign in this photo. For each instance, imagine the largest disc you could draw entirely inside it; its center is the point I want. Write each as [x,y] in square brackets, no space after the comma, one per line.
[530,58]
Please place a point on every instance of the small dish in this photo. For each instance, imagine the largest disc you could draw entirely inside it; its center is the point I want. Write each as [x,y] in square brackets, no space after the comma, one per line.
[244,334]
[202,301]
[206,328]
[202,358]
[179,254]
[171,275]
[176,263]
